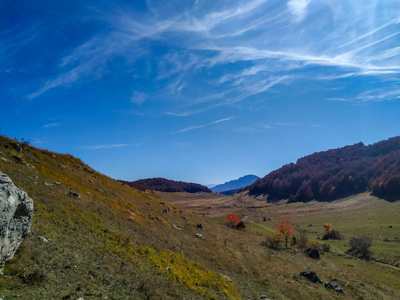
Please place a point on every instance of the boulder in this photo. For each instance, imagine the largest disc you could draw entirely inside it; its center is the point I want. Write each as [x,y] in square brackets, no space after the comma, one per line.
[74,194]
[313,253]
[17,147]
[18,159]
[89,170]
[43,239]
[334,286]
[310,275]
[200,226]
[15,218]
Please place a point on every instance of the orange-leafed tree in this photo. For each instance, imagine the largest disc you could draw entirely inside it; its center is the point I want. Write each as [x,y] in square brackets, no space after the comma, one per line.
[286,230]
[328,227]
[232,220]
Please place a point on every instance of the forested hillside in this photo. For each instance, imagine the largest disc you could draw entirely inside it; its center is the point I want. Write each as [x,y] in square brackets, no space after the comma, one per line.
[166,185]
[336,173]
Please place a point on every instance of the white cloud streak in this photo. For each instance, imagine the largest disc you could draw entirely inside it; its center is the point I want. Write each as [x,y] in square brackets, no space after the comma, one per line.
[193,127]
[52,125]
[96,147]
[376,95]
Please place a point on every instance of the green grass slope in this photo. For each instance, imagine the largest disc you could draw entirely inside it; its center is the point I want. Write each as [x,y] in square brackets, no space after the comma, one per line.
[114,242]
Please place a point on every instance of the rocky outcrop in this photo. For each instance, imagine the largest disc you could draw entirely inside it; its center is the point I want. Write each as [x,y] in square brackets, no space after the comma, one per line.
[310,275]
[334,286]
[312,253]
[15,217]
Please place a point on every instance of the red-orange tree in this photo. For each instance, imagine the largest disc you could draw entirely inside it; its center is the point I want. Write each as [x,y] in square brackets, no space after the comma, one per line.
[232,220]
[286,230]
[328,227]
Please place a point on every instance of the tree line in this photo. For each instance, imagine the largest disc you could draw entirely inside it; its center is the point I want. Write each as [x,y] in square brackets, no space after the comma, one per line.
[336,173]
[166,185]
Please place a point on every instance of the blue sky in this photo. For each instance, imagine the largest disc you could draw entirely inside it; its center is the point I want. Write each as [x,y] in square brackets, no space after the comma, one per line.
[201,91]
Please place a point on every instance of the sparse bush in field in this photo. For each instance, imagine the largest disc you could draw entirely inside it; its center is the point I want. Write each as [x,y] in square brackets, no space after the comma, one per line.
[360,246]
[302,241]
[326,247]
[25,142]
[241,226]
[294,241]
[333,235]
[314,245]
[272,242]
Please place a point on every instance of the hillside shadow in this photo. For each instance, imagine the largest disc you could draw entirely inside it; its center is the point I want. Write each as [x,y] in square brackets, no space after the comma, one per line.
[388,198]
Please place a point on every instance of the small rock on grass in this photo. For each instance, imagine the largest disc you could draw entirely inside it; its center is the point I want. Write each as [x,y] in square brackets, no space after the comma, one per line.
[334,286]
[74,194]
[43,239]
[310,275]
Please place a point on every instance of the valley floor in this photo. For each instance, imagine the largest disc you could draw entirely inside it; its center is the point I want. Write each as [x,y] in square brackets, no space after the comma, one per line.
[361,215]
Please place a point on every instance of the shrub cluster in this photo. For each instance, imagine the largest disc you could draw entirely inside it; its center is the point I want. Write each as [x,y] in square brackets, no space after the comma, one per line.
[302,240]
[360,246]
[326,247]
[272,242]
[332,235]
[241,226]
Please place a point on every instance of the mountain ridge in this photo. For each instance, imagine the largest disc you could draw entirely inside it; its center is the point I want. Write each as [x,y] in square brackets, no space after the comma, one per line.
[233,185]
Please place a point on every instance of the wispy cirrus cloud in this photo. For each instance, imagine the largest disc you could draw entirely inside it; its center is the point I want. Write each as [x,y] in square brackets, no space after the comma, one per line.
[193,127]
[52,125]
[298,8]
[378,95]
[290,124]
[259,39]
[231,96]
[108,146]
[138,97]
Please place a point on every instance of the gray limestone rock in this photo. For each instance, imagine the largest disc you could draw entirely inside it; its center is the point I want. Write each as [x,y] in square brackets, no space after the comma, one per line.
[16,211]
[17,147]
[334,286]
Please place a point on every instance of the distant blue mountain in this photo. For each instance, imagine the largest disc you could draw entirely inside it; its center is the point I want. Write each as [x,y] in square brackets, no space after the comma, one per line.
[232,186]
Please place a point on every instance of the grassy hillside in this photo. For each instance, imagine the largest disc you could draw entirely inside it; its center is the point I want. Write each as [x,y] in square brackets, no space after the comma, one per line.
[95,238]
